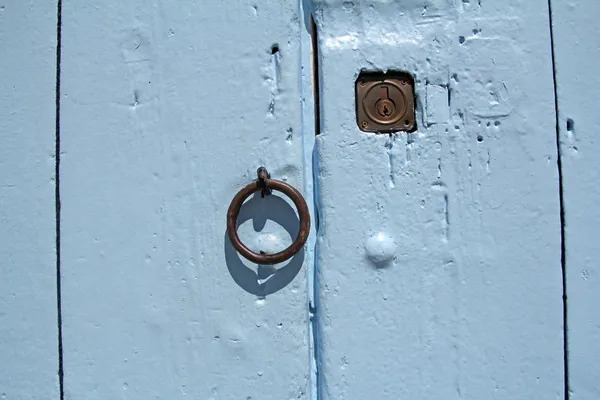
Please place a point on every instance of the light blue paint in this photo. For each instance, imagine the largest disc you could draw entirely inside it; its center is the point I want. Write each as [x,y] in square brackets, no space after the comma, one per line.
[437,110]
[168,110]
[577,60]
[437,267]
[308,138]
[28,308]
[380,248]
[470,308]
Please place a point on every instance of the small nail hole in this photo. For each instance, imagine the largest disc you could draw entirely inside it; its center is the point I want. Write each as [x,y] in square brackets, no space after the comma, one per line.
[479,138]
[570,125]
[274,49]
[461,39]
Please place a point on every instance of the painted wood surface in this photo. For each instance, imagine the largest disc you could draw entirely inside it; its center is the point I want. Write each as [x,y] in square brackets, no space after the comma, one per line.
[167,111]
[439,252]
[28,306]
[577,61]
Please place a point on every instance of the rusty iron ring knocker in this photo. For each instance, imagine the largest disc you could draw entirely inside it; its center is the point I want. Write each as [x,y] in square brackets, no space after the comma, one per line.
[265,185]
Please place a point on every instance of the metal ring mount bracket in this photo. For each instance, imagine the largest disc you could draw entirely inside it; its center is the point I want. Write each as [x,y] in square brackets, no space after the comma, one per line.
[266,185]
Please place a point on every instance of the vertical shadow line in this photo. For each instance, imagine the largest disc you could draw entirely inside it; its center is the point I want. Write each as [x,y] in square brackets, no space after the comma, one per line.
[57,199]
[562,211]
[314,44]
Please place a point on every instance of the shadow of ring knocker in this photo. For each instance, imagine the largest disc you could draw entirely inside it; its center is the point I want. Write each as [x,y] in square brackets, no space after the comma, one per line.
[240,212]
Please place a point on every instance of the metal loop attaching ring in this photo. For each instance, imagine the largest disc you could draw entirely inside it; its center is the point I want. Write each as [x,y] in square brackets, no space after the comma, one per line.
[265,185]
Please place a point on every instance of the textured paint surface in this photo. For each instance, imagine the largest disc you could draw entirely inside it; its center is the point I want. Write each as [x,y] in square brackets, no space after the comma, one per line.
[180,103]
[438,251]
[577,61]
[470,305]
[28,320]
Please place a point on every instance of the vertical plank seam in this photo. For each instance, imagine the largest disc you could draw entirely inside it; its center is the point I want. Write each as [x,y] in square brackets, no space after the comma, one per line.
[310,128]
[562,211]
[316,80]
[57,199]
[314,44]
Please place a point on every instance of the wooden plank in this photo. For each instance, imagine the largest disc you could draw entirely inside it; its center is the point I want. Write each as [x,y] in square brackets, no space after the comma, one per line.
[439,252]
[168,110]
[577,59]
[28,310]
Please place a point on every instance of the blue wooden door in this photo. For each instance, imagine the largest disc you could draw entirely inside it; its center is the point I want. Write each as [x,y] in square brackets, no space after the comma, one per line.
[29,350]
[454,261]
[439,251]
[181,103]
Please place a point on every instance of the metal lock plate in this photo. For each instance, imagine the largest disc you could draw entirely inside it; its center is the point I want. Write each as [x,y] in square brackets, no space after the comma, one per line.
[385,102]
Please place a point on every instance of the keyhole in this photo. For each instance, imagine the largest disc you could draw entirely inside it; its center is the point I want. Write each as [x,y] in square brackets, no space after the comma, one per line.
[385,108]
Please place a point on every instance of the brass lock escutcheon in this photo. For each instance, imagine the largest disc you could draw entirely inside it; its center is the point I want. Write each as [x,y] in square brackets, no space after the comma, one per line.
[385,102]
